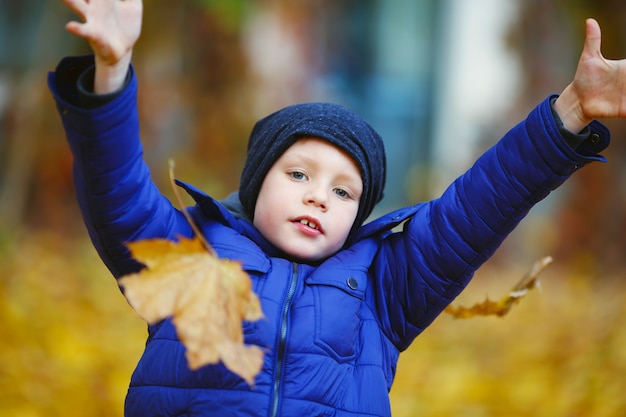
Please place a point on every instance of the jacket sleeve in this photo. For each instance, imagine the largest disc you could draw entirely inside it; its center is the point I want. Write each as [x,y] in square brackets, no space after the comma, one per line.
[424,267]
[116,195]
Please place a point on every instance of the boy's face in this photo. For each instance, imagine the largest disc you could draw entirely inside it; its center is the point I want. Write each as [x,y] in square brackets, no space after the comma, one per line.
[309,200]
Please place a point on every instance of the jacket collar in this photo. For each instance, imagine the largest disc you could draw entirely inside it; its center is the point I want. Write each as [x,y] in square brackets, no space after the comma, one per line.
[383,224]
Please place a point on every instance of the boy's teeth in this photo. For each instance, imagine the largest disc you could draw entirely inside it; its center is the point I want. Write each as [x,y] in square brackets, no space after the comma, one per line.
[308,223]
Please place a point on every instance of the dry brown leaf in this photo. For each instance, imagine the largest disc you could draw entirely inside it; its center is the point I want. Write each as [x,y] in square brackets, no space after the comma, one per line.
[503,306]
[207,298]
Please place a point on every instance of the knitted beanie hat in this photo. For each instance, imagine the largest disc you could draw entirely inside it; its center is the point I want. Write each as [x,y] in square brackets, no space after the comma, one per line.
[272,135]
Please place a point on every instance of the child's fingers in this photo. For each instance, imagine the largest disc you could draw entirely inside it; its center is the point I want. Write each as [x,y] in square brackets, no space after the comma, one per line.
[74,28]
[81,30]
[593,38]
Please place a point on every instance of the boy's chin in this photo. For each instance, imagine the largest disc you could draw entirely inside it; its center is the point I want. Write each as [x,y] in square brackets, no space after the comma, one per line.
[309,258]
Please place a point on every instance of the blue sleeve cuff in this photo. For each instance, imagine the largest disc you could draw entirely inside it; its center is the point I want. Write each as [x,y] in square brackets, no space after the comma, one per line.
[586,142]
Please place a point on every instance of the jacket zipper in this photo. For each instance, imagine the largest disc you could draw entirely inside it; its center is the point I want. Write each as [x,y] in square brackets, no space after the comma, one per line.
[282,341]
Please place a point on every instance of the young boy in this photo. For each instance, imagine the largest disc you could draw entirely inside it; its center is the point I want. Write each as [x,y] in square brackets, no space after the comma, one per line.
[341,300]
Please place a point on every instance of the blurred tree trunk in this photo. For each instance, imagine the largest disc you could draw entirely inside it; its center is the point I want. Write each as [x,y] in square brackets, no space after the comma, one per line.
[23,56]
[20,148]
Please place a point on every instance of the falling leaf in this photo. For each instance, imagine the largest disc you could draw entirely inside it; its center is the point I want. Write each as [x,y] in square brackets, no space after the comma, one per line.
[503,306]
[207,298]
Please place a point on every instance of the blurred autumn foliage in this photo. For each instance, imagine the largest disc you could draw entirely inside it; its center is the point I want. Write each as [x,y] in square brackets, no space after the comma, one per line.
[558,353]
[71,341]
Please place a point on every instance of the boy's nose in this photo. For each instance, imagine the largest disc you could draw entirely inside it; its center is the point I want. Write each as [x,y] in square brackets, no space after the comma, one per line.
[316,196]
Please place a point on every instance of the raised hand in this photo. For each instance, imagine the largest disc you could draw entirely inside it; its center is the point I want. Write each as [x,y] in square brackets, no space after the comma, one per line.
[598,89]
[111,27]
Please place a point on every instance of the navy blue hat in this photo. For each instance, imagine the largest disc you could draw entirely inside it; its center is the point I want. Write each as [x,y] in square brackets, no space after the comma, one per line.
[272,135]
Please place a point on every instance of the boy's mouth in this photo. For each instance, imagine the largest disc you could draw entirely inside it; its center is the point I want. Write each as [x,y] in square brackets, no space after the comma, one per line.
[309,223]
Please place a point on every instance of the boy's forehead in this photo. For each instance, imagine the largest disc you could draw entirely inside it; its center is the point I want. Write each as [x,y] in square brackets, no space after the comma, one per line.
[314,153]
[303,140]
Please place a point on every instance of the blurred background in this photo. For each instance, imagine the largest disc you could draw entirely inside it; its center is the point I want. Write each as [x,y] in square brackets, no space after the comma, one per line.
[441,80]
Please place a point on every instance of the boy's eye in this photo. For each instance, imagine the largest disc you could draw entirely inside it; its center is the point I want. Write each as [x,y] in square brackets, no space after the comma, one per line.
[341,193]
[297,175]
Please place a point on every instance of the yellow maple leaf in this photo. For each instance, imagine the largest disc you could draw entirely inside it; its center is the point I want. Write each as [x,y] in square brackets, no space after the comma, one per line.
[207,298]
[503,306]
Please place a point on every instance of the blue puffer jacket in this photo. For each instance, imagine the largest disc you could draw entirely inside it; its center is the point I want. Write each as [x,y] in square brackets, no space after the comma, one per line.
[334,331]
